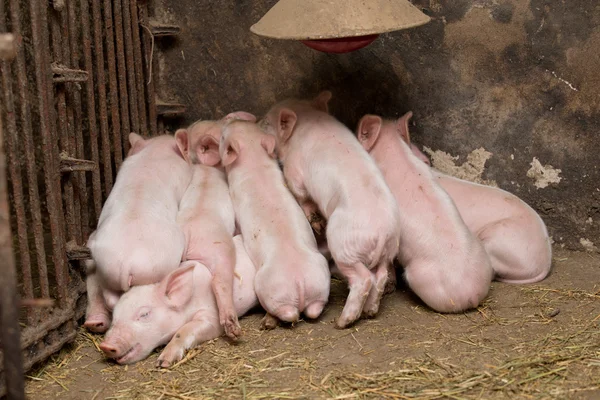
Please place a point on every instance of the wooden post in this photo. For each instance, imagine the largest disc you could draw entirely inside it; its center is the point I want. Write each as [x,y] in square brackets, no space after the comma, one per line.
[9,312]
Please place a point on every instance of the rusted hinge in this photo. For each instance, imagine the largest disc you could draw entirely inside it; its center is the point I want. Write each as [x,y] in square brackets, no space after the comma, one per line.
[169,110]
[61,73]
[70,164]
[159,29]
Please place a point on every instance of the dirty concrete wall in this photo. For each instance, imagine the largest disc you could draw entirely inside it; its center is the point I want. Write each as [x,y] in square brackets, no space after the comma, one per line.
[500,84]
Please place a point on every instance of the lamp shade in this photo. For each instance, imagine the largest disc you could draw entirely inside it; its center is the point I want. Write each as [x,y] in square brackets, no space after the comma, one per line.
[333,19]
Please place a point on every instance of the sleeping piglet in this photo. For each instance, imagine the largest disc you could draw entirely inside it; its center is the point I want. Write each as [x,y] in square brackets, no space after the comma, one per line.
[181,310]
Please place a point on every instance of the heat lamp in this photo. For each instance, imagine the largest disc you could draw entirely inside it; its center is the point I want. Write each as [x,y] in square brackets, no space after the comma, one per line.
[337,26]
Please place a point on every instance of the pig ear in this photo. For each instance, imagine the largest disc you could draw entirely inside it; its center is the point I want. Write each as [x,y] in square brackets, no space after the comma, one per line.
[135,138]
[403,126]
[136,143]
[286,124]
[231,150]
[243,115]
[268,143]
[182,139]
[321,101]
[369,127]
[178,286]
[207,150]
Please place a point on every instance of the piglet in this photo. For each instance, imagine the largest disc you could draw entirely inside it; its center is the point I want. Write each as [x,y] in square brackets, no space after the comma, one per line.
[138,240]
[181,310]
[512,233]
[330,173]
[444,263]
[206,214]
[292,276]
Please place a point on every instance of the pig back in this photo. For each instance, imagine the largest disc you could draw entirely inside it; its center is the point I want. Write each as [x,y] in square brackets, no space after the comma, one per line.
[207,196]
[338,172]
[268,215]
[478,204]
[138,252]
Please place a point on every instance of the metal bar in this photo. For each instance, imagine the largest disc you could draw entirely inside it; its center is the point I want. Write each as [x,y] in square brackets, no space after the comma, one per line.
[102,102]
[148,42]
[132,90]
[14,168]
[30,159]
[81,181]
[9,315]
[139,66]
[39,23]
[122,74]
[63,125]
[91,106]
[112,80]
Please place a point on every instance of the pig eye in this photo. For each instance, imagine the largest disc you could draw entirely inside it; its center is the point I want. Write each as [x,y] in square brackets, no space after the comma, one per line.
[144,313]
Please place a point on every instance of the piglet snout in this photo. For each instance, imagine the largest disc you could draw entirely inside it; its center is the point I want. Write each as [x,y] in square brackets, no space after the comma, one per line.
[108,349]
[113,348]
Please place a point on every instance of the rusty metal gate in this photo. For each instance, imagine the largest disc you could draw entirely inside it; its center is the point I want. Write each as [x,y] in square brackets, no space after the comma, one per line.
[80,81]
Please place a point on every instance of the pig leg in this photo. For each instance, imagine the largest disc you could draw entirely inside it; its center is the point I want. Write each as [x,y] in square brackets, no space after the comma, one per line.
[269,322]
[222,286]
[381,277]
[512,261]
[360,281]
[295,184]
[221,268]
[187,337]
[390,286]
[97,316]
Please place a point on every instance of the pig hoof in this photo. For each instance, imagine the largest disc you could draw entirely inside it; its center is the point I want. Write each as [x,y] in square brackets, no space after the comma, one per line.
[342,324]
[163,364]
[369,314]
[232,328]
[269,322]
[390,287]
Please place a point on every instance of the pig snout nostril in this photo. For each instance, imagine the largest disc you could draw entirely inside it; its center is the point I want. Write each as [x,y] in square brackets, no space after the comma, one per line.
[108,349]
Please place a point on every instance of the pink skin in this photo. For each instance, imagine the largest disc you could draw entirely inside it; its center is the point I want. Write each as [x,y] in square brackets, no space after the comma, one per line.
[513,234]
[181,310]
[293,277]
[206,214]
[139,214]
[204,137]
[329,172]
[445,264]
